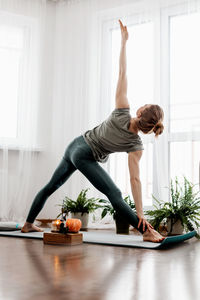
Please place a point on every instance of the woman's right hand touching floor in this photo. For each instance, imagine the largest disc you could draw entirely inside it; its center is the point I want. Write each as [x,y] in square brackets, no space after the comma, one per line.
[143,221]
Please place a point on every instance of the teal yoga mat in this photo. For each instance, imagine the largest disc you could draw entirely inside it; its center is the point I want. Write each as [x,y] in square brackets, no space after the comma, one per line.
[111,238]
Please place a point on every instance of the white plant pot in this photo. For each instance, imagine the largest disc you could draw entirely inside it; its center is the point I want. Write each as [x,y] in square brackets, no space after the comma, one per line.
[84,218]
[177,227]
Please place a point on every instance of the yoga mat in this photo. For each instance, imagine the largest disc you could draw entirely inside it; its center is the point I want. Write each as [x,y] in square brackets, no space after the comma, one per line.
[111,238]
[10,226]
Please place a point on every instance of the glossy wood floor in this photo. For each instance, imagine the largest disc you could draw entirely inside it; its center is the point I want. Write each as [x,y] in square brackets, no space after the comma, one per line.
[31,270]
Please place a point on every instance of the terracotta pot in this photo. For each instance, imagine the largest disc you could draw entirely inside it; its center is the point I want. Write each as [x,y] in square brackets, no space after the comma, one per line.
[177,227]
[84,219]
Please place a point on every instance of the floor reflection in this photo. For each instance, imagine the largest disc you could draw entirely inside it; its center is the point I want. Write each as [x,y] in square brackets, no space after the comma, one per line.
[31,270]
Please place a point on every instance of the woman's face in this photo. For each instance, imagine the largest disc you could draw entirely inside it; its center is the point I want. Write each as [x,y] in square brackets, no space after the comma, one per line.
[140,110]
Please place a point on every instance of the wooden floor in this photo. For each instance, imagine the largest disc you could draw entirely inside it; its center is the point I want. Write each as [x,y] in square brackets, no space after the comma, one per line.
[31,270]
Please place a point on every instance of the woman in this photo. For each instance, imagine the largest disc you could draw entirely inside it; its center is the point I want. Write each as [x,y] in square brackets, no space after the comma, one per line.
[118,133]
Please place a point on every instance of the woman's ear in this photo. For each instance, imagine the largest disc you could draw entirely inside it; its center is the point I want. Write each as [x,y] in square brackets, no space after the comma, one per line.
[138,112]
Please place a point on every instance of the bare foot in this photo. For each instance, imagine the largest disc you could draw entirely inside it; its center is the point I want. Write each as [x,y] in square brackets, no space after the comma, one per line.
[30,227]
[153,236]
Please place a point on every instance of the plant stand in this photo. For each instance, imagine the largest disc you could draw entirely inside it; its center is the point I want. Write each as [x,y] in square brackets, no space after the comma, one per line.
[122,226]
[45,223]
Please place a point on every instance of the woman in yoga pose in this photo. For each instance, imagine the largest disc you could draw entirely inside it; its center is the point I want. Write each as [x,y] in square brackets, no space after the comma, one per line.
[118,133]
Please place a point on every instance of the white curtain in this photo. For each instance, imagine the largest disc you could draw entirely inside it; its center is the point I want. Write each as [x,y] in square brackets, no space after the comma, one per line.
[25,93]
[68,84]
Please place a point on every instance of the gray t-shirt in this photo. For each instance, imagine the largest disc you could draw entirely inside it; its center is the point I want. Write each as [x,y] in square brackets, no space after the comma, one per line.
[113,135]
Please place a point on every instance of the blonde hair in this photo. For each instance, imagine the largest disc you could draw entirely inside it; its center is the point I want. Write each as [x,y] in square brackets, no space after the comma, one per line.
[151,120]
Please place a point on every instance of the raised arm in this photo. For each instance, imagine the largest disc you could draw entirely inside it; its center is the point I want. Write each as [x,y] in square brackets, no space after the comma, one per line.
[121,99]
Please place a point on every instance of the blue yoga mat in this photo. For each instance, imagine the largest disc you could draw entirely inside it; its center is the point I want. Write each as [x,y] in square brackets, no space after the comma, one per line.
[111,238]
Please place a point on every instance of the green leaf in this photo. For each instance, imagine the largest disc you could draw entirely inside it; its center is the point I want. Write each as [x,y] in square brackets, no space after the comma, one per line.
[104,213]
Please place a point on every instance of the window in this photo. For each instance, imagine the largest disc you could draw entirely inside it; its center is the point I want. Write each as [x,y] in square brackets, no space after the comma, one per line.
[11,56]
[140,64]
[184,160]
[184,73]
[184,96]
[163,67]
[140,73]
[19,80]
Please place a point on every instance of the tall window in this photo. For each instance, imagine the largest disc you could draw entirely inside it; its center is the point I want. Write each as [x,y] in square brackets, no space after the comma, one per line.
[185,95]
[163,57]
[19,79]
[140,73]
[11,59]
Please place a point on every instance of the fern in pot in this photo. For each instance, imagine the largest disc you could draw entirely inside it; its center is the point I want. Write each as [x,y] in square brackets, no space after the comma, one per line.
[79,208]
[182,213]
[122,226]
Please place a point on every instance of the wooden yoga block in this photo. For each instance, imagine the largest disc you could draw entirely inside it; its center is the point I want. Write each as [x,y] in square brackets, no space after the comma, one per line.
[55,238]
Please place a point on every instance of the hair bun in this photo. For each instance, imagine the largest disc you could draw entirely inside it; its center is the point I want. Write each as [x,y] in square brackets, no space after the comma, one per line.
[158,128]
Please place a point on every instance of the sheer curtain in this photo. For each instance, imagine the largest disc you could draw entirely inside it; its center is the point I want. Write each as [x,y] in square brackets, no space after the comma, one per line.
[22,84]
[68,79]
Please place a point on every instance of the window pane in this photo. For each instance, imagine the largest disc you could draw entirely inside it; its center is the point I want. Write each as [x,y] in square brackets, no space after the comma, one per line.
[10,60]
[140,60]
[184,160]
[185,73]
[120,173]
[140,74]
[11,37]
[146,174]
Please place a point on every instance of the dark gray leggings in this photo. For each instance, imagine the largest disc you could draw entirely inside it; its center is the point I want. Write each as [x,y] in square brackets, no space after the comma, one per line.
[78,155]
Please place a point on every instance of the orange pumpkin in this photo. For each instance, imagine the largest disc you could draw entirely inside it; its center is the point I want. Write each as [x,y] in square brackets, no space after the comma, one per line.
[74,225]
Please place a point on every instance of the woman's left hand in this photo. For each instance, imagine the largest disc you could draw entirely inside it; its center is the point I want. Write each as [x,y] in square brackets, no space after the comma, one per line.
[124,32]
[144,222]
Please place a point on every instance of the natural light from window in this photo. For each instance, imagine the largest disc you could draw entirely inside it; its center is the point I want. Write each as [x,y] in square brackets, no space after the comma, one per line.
[185,73]
[140,74]
[11,48]
[185,95]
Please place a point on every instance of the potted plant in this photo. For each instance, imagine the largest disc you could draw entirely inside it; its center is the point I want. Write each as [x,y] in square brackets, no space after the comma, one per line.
[122,226]
[181,213]
[79,208]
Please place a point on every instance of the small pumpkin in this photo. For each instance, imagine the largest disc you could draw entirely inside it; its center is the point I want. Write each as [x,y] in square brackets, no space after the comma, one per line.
[74,225]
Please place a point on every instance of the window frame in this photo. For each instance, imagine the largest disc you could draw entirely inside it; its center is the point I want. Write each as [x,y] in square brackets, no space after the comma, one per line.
[31,34]
[166,14]
[161,19]
[107,26]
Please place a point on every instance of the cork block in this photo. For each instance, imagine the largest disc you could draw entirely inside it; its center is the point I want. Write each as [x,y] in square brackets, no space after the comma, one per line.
[53,238]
